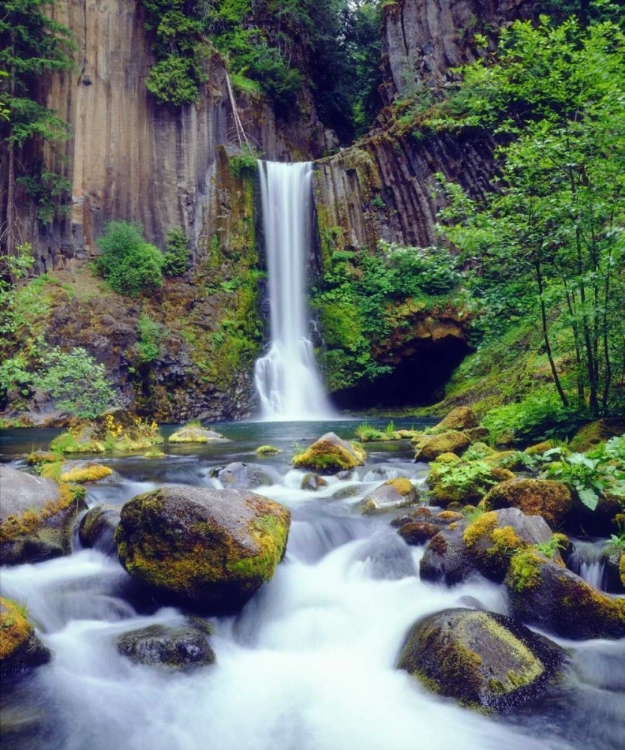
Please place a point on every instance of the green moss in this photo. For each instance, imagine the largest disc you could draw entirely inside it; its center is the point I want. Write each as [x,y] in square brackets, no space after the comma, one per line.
[325,456]
[89,473]
[14,628]
[267,450]
[402,485]
[525,570]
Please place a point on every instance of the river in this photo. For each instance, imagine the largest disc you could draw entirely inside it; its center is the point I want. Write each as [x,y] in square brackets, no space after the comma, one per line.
[308,664]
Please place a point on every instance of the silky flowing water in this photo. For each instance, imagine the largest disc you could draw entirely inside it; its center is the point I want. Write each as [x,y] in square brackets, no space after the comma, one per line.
[308,664]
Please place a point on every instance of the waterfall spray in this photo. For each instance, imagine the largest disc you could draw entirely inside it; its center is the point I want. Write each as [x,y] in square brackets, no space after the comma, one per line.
[287,379]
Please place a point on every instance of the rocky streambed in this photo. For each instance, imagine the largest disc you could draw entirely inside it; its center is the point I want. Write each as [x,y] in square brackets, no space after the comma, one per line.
[347,634]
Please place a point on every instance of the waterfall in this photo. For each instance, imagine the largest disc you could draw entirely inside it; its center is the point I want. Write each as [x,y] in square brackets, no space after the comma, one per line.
[287,379]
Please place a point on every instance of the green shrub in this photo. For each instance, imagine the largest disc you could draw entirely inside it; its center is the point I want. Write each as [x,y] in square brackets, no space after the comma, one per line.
[176,259]
[244,163]
[76,382]
[128,263]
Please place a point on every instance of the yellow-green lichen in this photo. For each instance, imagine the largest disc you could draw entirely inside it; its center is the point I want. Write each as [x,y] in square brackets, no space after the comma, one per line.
[89,473]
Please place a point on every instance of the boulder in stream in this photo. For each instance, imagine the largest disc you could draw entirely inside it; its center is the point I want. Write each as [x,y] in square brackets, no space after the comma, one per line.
[97,528]
[480,658]
[329,455]
[312,482]
[20,649]
[244,476]
[484,545]
[430,447]
[391,495]
[195,433]
[543,593]
[180,648]
[36,516]
[211,549]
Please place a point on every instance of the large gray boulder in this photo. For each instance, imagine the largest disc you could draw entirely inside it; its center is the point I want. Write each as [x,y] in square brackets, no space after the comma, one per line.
[480,658]
[97,528]
[36,517]
[244,476]
[211,549]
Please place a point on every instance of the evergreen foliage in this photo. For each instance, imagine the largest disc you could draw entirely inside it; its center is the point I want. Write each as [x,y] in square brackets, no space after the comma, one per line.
[176,259]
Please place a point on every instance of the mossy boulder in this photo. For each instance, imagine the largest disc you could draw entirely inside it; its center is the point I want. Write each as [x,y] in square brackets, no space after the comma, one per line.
[97,528]
[390,495]
[602,521]
[211,549]
[179,648]
[416,533]
[267,450]
[84,472]
[81,439]
[539,448]
[484,545]
[461,418]
[36,517]
[195,433]
[482,659]
[477,434]
[446,442]
[549,596]
[541,497]
[592,435]
[20,649]
[329,455]
[243,476]
[312,482]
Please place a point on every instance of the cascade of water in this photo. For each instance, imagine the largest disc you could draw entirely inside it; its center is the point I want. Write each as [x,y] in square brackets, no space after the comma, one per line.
[287,379]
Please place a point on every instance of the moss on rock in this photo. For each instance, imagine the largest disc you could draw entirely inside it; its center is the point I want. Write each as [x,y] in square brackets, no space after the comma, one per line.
[539,497]
[461,418]
[446,442]
[392,494]
[89,473]
[195,433]
[480,658]
[267,450]
[20,649]
[329,455]
[551,597]
[209,548]
[592,435]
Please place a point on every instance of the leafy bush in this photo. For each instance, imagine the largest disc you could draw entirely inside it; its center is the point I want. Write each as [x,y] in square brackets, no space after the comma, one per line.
[596,473]
[77,383]
[176,259]
[128,263]
[245,162]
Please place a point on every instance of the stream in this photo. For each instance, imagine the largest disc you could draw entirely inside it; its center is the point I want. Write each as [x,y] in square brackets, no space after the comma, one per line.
[308,664]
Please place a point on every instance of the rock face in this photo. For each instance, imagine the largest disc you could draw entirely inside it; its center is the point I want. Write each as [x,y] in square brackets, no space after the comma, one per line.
[480,658]
[20,649]
[486,546]
[126,148]
[393,494]
[36,515]
[547,595]
[541,497]
[211,549]
[182,648]
[329,455]
[243,476]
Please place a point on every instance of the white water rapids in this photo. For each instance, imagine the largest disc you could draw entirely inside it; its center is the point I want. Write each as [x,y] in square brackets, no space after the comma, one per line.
[308,665]
[287,380]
